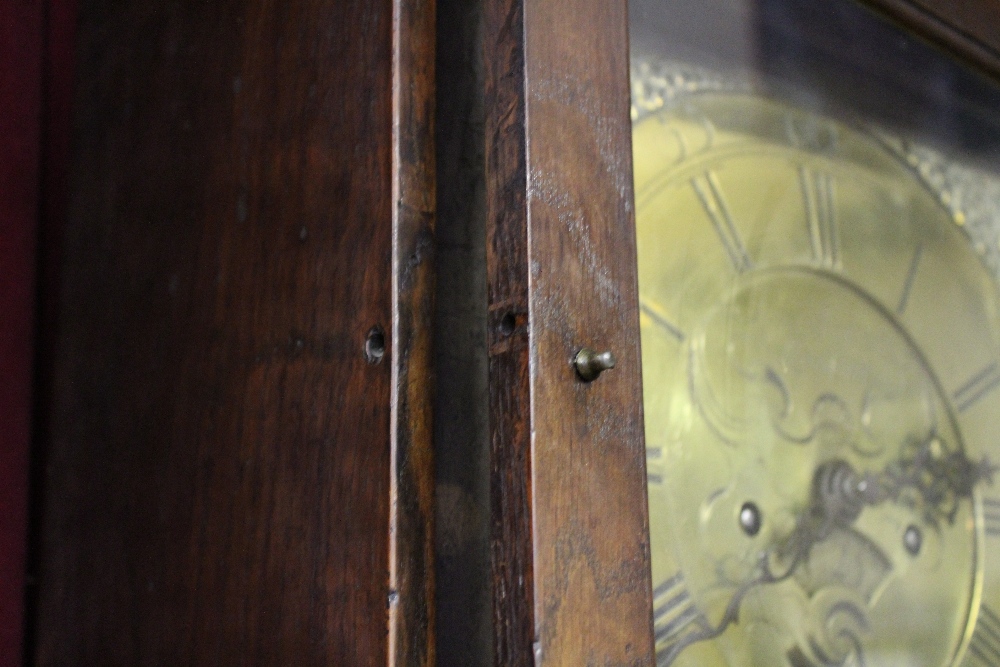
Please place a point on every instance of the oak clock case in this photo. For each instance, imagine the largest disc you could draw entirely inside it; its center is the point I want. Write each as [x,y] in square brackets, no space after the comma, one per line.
[820,324]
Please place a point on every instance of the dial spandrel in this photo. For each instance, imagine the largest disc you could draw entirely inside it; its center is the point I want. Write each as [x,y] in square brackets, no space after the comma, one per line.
[820,346]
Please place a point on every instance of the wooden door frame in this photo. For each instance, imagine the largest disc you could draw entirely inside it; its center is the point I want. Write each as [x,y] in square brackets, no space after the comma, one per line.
[969,29]
[571,578]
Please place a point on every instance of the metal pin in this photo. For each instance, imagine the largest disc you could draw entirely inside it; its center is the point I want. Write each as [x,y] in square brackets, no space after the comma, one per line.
[590,364]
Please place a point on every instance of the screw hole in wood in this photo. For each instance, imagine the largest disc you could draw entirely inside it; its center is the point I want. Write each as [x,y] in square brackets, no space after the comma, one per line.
[507,324]
[375,345]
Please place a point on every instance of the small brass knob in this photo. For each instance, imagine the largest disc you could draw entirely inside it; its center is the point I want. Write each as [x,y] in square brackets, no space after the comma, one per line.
[590,364]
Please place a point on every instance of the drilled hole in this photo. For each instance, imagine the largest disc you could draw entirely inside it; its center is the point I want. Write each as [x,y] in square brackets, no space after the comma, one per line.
[508,324]
[375,345]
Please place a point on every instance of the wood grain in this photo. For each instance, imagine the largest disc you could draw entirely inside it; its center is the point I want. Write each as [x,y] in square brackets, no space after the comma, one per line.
[248,191]
[511,547]
[411,508]
[571,563]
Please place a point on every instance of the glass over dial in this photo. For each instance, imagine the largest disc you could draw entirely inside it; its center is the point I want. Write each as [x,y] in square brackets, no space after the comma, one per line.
[821,369]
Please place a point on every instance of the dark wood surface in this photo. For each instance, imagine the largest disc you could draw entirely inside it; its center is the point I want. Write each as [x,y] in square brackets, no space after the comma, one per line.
[570,552]
[411,508]
[461,388]
[969,29]
[511,545]
[56,118]
[218,449]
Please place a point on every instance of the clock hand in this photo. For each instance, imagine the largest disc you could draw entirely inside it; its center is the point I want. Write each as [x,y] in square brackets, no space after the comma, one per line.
[812,527]
[926,473]
[927,476]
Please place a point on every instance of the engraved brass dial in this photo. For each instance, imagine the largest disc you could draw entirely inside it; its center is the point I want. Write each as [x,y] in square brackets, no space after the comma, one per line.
[821,364]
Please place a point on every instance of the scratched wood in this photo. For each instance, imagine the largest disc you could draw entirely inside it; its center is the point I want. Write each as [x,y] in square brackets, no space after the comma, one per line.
[229,478]
[570,553]
[511,547]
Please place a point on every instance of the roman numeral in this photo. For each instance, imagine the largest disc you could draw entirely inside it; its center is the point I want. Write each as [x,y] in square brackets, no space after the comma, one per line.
[673,614]
[981,384]
[653,313]
[653,454]
[911,275]
[821,216]
[991,516]
[984,648]
[707,188]
[796,658]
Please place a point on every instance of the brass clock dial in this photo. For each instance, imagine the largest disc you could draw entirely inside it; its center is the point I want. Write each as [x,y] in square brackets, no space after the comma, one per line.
[821,368]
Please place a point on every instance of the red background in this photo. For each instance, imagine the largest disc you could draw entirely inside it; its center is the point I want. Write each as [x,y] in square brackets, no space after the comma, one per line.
[35,90]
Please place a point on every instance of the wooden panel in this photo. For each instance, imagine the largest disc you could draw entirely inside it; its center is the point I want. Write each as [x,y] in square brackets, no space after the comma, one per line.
[570,552]
[250,191]
[511,545]
[970,29]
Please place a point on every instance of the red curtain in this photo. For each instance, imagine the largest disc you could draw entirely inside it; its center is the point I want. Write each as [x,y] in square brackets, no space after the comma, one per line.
[35,89]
